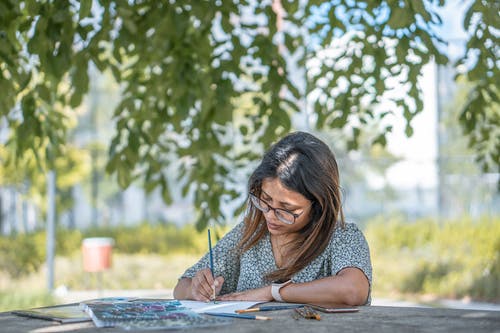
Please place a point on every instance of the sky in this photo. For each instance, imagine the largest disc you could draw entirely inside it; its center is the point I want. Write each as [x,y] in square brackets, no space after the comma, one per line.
[420,150]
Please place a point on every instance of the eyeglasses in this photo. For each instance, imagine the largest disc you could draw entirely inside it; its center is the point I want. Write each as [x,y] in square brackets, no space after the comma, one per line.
[283,215]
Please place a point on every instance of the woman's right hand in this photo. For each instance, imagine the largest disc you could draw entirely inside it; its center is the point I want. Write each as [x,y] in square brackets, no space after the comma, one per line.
[203,284]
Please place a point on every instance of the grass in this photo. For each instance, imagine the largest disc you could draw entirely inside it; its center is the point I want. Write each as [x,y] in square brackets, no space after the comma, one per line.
[137,271]
[457,259]
[130,271]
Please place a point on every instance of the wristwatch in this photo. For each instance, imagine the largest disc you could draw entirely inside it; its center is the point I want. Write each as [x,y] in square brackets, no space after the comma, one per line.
[275,290]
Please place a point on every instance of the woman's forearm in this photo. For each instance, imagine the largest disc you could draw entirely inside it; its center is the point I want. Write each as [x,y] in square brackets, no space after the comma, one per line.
[349,287]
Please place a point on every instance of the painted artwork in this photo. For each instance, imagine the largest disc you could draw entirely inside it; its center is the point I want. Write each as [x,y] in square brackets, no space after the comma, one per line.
[144,314]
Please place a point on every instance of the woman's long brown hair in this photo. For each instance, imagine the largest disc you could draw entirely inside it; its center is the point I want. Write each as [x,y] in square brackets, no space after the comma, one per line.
[306,165]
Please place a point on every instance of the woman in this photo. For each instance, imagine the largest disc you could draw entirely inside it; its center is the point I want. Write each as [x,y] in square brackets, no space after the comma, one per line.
[293,245]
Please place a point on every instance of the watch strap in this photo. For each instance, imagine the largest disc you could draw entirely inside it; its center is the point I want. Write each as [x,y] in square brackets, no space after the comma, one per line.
[275,290]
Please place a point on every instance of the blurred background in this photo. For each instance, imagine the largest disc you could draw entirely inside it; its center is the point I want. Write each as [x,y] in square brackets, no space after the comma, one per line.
[429,210]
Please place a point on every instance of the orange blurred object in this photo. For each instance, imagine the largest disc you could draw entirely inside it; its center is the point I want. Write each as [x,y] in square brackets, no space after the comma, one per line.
[97,253]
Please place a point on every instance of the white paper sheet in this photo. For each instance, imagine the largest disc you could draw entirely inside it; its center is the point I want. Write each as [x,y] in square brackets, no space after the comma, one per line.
[219,307]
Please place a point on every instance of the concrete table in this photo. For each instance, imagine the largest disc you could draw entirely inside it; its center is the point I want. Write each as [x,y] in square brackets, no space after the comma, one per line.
[368,319]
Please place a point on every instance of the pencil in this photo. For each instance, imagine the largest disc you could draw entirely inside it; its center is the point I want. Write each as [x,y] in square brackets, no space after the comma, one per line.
[211,259]
[237,315]
[270,308]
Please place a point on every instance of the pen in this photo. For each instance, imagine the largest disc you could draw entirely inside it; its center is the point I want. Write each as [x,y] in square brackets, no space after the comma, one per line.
[211,259]
[270,308]
[237,315]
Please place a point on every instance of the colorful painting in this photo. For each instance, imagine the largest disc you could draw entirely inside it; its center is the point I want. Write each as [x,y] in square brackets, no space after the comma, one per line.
[143,314]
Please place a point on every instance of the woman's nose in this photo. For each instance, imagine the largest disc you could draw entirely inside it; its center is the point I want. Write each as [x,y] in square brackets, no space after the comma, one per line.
[270,215]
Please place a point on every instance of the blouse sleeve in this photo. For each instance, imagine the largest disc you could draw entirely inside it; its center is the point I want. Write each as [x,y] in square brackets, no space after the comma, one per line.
[350,249]
[226,260]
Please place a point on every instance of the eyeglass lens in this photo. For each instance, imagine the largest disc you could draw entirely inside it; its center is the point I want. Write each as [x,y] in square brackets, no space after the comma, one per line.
[283,215]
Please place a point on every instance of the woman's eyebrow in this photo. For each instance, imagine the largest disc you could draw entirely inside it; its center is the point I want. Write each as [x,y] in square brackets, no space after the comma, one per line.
[264,192]
[283,203]
[289,205]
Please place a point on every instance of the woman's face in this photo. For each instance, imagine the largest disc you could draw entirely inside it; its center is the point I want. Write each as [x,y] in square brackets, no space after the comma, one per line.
[276,195]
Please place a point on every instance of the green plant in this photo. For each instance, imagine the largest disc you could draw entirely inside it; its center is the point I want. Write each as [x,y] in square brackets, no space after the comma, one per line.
[24,253]
[154,238]
[453,259]
[20,255]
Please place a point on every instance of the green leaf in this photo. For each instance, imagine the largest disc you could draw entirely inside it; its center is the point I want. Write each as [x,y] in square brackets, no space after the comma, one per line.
[419,7]
[44,92]
[165,192]
[399,18]
[338,122]
[85,8]
[32,7]
[80,81]
[61,15]
[408,130]
[226,25]
[24,79]
[381,140]
[290,7]
[123,176]
[76,99]
[290,43]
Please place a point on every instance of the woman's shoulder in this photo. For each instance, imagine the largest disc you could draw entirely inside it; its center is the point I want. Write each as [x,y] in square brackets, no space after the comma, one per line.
[347,232]
[236,230]
[347,227]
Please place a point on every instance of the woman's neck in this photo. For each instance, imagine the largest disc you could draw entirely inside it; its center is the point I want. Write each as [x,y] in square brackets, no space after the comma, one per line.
[281,245]
[283,240]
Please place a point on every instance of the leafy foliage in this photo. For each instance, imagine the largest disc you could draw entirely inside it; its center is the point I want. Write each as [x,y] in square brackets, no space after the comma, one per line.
[184,66]
[146,238]
[480,116]
[19,255]
[23,254]
[28,177]
[453,259]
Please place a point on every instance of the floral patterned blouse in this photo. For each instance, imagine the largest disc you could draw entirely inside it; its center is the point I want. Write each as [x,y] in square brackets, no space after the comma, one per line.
[347,248]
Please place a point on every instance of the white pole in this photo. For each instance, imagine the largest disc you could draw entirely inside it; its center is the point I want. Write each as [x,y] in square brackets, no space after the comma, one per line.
[51,213]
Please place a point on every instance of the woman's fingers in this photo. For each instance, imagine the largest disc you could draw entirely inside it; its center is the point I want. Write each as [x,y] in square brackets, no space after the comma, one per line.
[219,281]
[202,283]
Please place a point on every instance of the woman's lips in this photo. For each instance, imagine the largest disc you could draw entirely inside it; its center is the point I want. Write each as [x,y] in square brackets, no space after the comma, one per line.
[273,226]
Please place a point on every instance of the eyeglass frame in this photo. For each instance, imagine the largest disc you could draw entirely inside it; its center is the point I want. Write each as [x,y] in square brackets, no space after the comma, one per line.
[256,200]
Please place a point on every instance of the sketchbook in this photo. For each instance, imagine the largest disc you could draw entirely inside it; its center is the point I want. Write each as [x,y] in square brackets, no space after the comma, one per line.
[217,307]
[148,314]
[66,313]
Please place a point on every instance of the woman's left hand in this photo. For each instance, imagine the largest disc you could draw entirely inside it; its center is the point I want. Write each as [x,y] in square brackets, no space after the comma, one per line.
[259,294]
